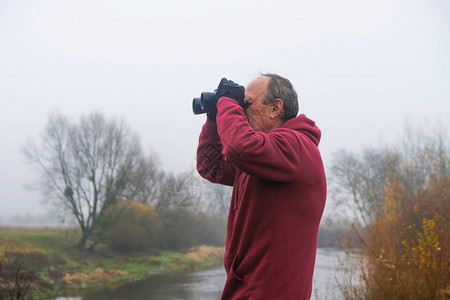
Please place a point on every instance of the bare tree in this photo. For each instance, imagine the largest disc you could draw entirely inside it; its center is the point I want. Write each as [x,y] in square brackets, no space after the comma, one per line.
[219,197]
[182,190]
[147,179]
[86,167]
[358,180]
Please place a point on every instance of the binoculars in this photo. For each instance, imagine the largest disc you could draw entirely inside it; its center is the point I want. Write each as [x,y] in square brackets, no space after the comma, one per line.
[205,104]
[227,88]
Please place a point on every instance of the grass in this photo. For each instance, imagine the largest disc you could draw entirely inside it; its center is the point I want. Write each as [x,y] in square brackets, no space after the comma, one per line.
[61,270]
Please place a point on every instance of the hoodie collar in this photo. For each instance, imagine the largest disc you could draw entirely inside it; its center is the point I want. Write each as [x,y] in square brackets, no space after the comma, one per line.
[306,126]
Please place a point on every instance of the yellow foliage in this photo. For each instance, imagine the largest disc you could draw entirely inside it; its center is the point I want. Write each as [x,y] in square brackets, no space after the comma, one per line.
[406,250]
[137,228]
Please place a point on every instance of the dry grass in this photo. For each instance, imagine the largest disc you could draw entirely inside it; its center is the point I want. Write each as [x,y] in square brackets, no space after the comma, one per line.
[9,245]
[205,253]
[32,240]
[96,277]
[38,229]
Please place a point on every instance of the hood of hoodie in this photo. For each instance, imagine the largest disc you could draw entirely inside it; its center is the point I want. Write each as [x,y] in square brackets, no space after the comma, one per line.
[306,126]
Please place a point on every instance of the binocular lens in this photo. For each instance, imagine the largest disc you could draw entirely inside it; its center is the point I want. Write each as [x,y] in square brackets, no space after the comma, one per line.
[197,106]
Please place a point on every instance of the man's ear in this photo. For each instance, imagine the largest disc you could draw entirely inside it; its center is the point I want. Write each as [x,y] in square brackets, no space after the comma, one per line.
[277,109]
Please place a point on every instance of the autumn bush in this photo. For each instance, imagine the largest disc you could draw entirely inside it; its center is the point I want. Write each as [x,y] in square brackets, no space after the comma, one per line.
[402,220]
[137,228]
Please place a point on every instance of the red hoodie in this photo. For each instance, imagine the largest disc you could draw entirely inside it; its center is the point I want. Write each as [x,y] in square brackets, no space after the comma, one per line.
[279,192]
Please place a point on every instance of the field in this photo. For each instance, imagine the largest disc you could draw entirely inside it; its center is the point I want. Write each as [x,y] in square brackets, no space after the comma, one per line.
[57,268]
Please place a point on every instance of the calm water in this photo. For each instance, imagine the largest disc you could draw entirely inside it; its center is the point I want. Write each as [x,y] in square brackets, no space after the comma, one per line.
[324,286]
[207,284]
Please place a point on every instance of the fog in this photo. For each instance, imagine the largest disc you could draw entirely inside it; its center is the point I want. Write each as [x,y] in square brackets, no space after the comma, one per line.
[361,70]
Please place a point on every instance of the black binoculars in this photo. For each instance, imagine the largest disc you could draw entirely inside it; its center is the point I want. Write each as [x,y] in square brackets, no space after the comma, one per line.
[227,88]
[205,104]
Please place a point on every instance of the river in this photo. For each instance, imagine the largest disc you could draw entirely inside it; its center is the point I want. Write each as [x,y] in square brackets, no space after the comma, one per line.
[207,284]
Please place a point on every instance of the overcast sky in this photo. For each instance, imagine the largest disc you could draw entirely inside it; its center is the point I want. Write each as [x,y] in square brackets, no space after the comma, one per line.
[360,68]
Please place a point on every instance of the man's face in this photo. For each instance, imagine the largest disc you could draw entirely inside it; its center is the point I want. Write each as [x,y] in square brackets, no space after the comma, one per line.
[258,114]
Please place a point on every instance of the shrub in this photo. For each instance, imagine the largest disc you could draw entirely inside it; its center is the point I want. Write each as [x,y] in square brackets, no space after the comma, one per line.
[185,229]
[402,202]
[15,284]
[179,229]
[212,229]
[138,228]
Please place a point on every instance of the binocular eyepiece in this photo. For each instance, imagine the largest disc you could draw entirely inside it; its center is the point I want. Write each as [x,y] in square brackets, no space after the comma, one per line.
[205,104]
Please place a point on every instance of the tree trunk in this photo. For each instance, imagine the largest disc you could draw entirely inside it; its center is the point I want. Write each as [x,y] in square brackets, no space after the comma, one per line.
[81,245]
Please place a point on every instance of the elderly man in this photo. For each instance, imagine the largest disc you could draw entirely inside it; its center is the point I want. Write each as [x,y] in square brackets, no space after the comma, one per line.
[256,143]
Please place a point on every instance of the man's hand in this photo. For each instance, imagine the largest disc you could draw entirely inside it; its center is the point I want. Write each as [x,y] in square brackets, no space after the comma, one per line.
[228,88]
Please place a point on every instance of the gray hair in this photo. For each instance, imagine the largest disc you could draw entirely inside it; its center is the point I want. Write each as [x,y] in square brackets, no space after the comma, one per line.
[281,88]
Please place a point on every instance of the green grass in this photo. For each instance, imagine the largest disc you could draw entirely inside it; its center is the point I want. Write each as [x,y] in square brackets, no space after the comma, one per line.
[62,270]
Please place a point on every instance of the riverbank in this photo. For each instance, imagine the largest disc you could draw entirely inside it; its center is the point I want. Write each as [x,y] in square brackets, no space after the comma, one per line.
[60,270]
[207,283]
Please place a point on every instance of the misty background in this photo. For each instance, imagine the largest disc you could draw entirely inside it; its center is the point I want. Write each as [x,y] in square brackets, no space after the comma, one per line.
[361,69]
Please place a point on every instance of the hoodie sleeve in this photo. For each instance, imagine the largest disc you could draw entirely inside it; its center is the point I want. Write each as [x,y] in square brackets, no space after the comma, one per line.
[273,156]
[211,163]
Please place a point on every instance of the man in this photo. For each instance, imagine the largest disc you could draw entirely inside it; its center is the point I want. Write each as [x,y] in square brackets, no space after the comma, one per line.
[271,159]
